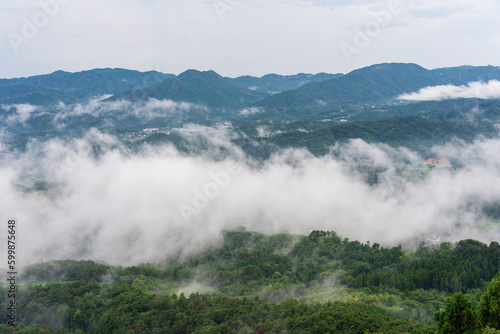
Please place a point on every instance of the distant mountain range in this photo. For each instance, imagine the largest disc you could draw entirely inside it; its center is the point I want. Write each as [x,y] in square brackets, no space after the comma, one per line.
[463,74]
[373,84]
[376,84]
[204,88]
[73,87]
[274,83]
[311,110]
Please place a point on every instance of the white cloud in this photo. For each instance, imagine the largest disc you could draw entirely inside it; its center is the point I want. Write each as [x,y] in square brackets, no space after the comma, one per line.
[251,111]
[149,109]
[21,114]
[264,132]
[164,105]
[480,90]
[125,208]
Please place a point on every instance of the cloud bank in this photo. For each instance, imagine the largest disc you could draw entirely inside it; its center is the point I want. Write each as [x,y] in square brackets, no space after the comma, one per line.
[97,112]
[20,113]
[480,90]
[105,203]
[148,109]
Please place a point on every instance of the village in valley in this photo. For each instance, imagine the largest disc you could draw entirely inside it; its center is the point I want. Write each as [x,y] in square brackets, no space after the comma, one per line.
[133,137]
[438,163]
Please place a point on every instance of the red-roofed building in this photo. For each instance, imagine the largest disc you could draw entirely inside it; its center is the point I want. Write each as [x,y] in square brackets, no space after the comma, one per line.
[439,163]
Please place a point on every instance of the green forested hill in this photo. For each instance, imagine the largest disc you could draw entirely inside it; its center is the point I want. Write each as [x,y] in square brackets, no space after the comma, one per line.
[447,110]
[266,284]
[376,84]
[394,131]
[69,87]
[203,88]
[280,83]
[462,75]
[373,84]
[413,131]
[31,94]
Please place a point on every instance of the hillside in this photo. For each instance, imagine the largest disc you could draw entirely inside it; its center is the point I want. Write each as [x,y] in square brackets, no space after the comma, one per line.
[24,93]
[478,110]
[412,131]
[265,283]
[68,87]
[280,83]
[300,95]
[357,105]
[461,75]
[370,85]
[203,88]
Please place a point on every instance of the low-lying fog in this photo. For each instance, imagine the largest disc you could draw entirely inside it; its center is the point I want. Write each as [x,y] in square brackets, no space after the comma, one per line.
[120,207]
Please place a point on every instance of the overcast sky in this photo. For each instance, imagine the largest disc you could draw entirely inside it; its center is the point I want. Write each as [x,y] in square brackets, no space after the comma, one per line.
[239,37]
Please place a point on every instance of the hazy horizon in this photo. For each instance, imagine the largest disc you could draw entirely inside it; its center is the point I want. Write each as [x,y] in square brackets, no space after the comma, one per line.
[243,74]
[292,36]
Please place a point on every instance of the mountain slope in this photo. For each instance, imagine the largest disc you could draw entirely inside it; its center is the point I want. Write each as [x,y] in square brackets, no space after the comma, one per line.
[68,87]
[280,83]
[204,88]
[369,85]
[26,93]
[464,74]
[415,132]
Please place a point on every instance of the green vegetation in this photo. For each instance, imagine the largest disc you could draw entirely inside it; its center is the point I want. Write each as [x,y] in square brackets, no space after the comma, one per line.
[413,131]
[489,307]
[203,88]
[373,84]
[313,111]
[462,75]
[68,87]
[279,83]
[458,316]
[271,284]
[254,283]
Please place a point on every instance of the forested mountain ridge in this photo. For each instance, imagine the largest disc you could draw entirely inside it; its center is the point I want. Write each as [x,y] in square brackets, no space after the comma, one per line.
[462,75]
[203,88]
[317,283]
[69,87]
[413,131]
[279,83]
[374,84]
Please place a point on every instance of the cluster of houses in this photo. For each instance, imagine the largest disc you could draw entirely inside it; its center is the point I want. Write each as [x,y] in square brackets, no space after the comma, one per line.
[438,163]
[338,119]
[140,135]
[187,130]
[150,131]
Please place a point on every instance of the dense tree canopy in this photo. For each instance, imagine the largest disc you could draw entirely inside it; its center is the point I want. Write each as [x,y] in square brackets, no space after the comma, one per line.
[257,283]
